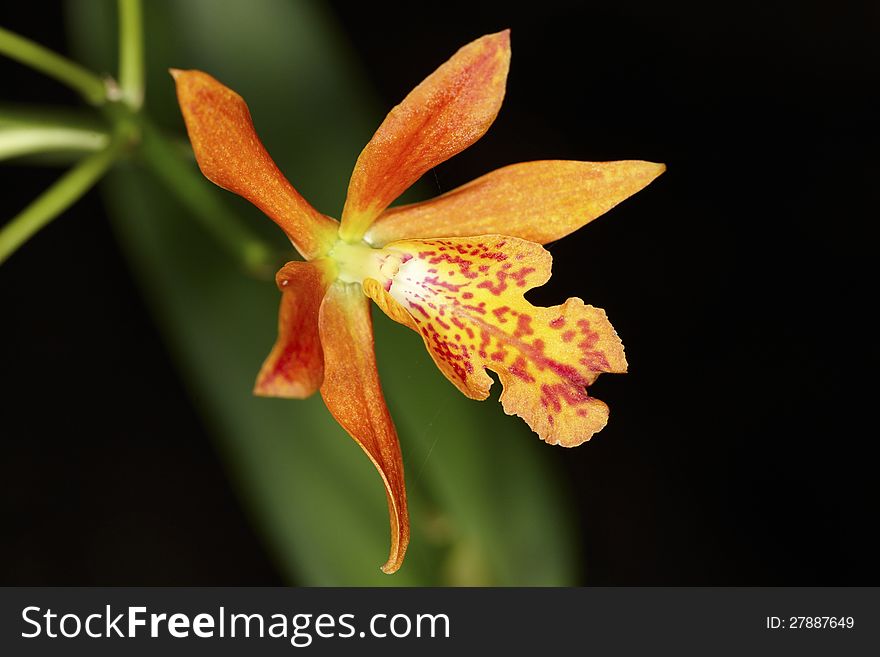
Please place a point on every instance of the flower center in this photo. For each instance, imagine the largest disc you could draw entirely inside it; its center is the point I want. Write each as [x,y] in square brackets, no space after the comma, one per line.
[359,261]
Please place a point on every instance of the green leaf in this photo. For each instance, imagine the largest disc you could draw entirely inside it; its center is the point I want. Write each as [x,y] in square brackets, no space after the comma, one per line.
[486,506]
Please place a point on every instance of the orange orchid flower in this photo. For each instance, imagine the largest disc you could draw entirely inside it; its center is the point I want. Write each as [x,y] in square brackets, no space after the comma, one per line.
[454,269]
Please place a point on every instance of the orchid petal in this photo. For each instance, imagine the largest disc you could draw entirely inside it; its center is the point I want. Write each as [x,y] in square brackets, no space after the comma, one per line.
[231,155]
[354,397]
[537,201]
[295,366]
[464,296]
[450,110]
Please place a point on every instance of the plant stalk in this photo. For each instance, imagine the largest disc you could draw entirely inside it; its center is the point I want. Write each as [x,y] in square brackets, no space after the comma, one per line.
[131,53]
[57,198]
[89,85]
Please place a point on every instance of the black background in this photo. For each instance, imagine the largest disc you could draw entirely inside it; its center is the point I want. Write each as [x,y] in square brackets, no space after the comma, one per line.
[743,448]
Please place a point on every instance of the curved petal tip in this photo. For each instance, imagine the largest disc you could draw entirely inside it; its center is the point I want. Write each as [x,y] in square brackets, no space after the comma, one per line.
[353,395]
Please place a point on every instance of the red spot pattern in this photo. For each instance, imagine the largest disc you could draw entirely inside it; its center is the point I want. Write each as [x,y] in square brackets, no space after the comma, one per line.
[523,326]
[495,288]
[418,307]
[555,395]
[500,314]
[479,319]
[520,370]
[520,276]
[452,287]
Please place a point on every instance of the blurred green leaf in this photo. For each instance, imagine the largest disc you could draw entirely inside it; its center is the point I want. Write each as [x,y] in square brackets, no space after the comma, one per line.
[486,508]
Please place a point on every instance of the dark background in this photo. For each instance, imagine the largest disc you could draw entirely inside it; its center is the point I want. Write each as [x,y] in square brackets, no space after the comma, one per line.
[743,448]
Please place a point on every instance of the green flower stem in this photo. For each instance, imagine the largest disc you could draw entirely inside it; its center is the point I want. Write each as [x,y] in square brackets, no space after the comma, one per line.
[182,178]
[23,50]
[66,191]
[33,140]
[131,53]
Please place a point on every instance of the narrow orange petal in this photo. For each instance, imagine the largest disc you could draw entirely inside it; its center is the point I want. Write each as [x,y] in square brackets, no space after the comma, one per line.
[464,296]
[231,155]
[537,201]
[353,394]
[450,110]
[295,366]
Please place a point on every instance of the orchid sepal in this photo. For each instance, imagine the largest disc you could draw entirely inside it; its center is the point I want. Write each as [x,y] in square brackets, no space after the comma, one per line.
[539,201]
[294,368]
[231,155]
[447,112]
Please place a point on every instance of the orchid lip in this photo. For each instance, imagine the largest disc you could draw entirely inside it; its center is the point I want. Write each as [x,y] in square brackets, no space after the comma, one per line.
[405,278]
